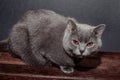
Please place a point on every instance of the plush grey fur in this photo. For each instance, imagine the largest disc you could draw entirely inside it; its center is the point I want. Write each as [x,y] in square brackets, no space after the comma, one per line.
[43,36]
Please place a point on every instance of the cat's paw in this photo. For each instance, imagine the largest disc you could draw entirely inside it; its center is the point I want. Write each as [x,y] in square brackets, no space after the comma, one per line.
[66,69]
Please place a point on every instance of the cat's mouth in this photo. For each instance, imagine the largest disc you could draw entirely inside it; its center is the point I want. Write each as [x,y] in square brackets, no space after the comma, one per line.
[78,56]
[73,55]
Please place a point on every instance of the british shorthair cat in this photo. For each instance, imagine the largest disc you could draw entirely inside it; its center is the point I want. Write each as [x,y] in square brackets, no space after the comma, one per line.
[43,36]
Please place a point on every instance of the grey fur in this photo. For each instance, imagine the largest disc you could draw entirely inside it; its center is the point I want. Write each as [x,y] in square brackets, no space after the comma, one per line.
[43,36]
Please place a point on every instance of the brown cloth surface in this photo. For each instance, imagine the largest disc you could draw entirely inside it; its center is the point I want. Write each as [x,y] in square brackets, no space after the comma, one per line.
[14,69]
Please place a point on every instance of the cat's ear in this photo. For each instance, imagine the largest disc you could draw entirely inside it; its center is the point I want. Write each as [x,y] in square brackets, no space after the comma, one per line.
[99,30]
[71,26]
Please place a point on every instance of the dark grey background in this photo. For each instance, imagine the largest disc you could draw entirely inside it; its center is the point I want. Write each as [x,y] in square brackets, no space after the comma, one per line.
[92,12]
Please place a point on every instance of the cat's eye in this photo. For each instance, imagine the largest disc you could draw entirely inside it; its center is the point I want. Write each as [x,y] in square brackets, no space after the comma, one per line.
[90,44]
[75,42]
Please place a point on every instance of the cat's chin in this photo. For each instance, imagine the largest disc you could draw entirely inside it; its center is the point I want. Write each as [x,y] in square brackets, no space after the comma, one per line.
[80,56]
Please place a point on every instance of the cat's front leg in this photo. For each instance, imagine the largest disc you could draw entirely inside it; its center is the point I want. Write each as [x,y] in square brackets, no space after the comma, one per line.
[67,69]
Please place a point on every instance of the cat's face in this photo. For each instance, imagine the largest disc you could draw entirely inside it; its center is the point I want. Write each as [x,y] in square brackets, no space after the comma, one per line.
[81,39]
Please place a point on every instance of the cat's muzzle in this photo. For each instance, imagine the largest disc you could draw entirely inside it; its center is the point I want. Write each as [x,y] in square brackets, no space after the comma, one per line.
[78,56]
[73,55]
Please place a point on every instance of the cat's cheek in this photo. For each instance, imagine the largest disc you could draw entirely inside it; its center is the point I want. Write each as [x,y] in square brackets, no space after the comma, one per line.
[94,49]
[76,51]
[88,51]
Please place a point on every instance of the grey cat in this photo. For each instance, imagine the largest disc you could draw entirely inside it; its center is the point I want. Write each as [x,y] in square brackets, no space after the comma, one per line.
[44,37]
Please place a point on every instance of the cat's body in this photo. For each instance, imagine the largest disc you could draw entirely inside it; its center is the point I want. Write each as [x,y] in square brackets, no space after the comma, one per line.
[43,37]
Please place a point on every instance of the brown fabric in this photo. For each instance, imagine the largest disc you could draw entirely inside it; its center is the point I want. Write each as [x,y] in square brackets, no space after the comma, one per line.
[14,69]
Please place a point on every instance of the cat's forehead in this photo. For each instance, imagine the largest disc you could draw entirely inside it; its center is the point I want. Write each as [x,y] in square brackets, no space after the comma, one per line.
[84,32]
[85,27]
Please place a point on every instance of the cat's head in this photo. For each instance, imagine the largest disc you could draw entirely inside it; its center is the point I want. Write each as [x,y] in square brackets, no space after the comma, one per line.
[81,39]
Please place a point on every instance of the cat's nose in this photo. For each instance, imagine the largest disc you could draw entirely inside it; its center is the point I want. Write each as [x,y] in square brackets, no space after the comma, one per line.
[81,51]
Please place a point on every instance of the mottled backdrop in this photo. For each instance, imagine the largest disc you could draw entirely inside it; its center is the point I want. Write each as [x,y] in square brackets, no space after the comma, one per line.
[92,12]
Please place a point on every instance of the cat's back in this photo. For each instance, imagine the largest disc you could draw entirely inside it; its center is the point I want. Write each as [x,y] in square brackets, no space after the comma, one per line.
[43,25]
[45,20]
[42,17]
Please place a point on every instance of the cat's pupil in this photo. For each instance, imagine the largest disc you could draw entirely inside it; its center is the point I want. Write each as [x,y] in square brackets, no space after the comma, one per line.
[90,44]
[75,42]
